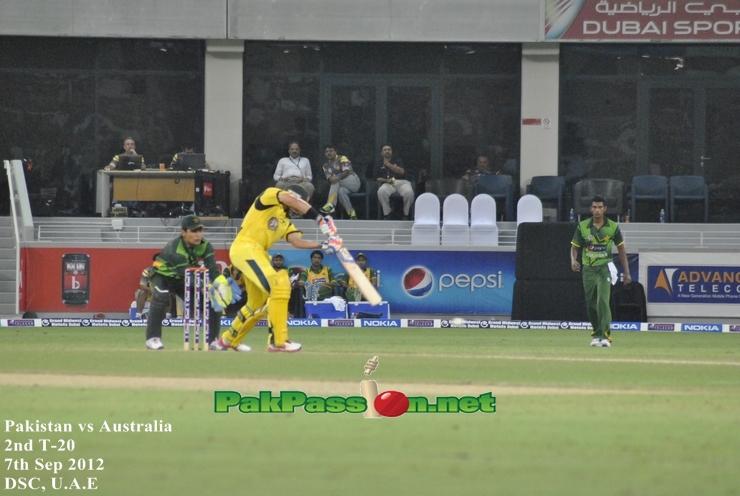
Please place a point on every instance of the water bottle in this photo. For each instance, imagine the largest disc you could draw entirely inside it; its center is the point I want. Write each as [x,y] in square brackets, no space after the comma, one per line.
[572,215]
[315,292]
[662,216]
[307,288]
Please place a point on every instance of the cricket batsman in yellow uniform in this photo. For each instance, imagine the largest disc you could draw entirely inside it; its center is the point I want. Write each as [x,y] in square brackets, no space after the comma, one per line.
[268,291]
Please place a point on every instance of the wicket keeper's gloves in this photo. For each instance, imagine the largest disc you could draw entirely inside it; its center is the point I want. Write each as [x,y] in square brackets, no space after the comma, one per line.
[236,291]
[327,226]
[220,293]
[332,245]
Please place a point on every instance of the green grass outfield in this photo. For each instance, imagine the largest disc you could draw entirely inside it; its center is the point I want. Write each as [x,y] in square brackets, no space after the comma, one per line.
[658,413]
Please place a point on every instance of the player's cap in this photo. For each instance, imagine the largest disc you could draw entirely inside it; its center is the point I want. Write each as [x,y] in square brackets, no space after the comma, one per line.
[360,255]
[278,255]
[299,192]
[191,222]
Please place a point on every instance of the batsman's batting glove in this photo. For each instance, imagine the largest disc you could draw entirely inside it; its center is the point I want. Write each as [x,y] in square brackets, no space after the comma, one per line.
[236,291]
[220,293]
[332,245]
[327,226]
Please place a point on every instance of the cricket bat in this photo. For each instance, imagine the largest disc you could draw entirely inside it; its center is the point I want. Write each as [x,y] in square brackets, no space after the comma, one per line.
[363,284]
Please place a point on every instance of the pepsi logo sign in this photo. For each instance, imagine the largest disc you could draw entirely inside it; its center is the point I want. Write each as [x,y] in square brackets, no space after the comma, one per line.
[418,281]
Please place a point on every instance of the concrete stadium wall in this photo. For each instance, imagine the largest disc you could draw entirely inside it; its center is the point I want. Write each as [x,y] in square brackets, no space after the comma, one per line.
[306,20]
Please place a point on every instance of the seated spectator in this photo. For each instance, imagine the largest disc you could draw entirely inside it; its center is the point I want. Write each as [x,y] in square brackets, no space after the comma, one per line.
[186,149]
[482,168]
[129,149]
[294,169]
[390,173]
[318,274]
[342,180]
[236,274]
[349,285]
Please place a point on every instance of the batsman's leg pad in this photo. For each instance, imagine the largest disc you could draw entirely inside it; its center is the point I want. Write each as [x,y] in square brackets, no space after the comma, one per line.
[278,307]
[245,320]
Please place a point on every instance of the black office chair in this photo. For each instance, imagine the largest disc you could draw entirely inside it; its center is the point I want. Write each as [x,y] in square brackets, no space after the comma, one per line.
[612,190]
[687,189]
[549,189]
[653,189]
[500,187]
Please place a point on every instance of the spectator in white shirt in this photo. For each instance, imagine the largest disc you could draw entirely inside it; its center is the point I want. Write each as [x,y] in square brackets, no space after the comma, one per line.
[294,169]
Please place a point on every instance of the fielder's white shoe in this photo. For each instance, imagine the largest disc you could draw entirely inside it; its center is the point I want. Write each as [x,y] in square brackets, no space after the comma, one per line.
[596,342]
[289,347]
[605,343]
[154,344]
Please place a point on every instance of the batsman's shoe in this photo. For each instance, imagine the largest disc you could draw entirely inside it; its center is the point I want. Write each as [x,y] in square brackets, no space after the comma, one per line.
[327,209]
[154,344]
[218,345]
[605,343]
[289,347]
[596,342]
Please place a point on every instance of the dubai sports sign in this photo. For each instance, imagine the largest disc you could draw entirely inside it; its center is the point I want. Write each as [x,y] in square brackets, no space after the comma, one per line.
[646,20]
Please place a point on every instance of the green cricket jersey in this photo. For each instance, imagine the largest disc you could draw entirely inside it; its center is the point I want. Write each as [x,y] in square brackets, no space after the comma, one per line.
[597,243]
[176,257]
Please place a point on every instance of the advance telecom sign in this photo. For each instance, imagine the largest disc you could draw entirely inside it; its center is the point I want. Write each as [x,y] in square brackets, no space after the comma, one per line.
[693,284]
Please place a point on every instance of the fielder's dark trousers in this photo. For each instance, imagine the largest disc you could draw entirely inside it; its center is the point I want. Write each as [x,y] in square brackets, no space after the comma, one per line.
[162,288]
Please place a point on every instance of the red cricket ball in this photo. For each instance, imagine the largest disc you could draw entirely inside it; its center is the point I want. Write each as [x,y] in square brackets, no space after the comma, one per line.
[391,403]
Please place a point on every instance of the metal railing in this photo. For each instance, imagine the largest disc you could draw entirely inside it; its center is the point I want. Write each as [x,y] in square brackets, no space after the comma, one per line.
[365,233]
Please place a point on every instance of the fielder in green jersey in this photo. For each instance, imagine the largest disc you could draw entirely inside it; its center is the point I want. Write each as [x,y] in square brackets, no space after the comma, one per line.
[190,249]
[596,237]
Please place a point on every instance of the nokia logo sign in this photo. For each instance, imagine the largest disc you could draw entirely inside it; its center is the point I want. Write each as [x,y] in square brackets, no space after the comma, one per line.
[625,326]
[381,323]
[702,327]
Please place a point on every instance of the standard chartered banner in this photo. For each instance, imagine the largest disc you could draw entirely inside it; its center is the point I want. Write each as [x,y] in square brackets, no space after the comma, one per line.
[442,282]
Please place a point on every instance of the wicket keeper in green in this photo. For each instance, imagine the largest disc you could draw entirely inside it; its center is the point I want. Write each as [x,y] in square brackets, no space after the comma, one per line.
[596,236]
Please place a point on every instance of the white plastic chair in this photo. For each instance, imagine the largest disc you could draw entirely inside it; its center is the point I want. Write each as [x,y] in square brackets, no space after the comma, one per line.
[483,228]
[528,209]
[455,229]
[425,230]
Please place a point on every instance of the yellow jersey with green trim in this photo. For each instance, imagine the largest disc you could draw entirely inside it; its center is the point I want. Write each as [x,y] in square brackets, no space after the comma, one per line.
[266,221]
